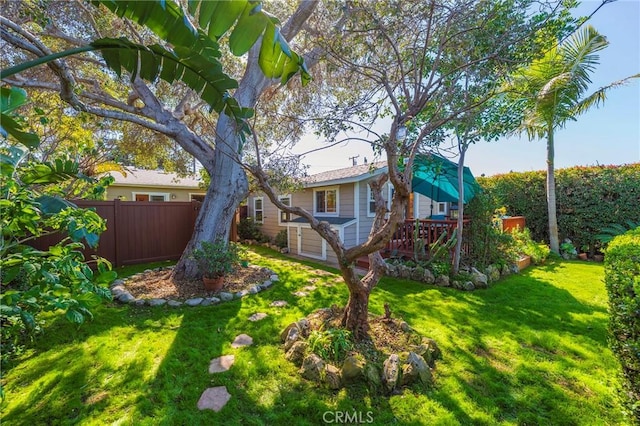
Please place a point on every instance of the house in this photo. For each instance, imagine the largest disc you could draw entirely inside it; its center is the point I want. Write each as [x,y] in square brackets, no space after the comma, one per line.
[154,185]
[341,197]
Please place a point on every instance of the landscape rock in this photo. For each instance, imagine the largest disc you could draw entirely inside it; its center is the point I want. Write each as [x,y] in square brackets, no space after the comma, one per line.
[174,303]
[274,278]
[301,294]
[297,352]
[214,398]
[304,326]
[372,374]
[210,301]
[404,271]
[332,376]
[117,282]
[255,289]
[391,372]
[225,297]
[416,368]
[468,286]
[493,273]
[242,340]
[139,302]
[279,303]
[284,250]
[479,279]
[312,368]
[352,368]
[222,363]
[265,285]
[157,302]
[429,350]
[285,332]
[404,326]
[428,277]
[417,274]
[292,337]
[126,297]
[194,302]
[442,281]
[241,294]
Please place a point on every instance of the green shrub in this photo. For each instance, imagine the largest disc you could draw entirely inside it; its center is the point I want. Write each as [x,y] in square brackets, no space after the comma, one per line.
[487,243]
[56,279]
[282,239]
[622,278]
[331,345]
[588,200]
[250,230]
[524,244]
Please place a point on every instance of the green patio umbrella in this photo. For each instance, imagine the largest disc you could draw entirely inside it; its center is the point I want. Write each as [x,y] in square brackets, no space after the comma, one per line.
[437,178]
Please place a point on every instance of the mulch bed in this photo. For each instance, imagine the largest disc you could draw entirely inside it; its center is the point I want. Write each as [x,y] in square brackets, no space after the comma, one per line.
[160,285]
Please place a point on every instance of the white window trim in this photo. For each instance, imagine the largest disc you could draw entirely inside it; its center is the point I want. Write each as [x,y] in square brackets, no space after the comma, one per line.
[388,200]
[166,195]
[315,207]
[280,197]
[254,209]
[195,193]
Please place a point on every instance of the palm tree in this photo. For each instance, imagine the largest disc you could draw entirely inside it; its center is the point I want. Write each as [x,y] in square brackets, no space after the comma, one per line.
[552,91]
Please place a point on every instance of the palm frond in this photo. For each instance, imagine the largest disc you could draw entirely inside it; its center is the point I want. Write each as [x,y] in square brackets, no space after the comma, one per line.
[598,96]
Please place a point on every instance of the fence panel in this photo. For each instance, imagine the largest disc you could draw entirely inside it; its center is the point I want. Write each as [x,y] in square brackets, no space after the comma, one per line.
[138,231]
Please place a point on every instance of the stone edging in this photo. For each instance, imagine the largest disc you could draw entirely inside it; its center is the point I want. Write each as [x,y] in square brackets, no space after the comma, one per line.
[120,293]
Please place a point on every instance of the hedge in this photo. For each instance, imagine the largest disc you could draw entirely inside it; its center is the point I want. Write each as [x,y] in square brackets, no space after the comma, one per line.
[622,278]
[588,199]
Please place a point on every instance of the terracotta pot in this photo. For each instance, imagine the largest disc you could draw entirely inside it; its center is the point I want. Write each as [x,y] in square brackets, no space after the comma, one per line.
[582,256]
[213,284]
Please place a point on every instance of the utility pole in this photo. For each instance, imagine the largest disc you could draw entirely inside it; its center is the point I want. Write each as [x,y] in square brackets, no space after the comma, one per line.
[353,160]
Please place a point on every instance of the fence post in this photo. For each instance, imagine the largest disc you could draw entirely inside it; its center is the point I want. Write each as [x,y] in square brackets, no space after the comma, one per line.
[116,239]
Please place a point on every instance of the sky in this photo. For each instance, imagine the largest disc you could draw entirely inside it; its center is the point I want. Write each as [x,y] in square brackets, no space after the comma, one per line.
[606,135]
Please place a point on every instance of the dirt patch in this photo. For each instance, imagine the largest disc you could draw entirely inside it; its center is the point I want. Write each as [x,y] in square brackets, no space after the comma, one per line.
[386,334]
[160,285]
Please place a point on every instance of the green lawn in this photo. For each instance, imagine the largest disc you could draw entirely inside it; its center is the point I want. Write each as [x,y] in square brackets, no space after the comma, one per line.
[530,350]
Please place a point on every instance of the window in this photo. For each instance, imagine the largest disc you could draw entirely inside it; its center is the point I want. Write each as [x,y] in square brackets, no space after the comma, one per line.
[284,217]
[372,203]
[326,202]
[197,197]
[150,196]
[258,210]
[371,209]
[442,208]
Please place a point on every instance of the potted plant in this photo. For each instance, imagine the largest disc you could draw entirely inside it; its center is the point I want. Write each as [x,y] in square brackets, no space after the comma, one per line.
[583,252]
[215,260]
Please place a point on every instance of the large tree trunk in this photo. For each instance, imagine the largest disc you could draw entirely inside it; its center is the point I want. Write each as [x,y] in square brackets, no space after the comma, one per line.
[554,242]
[227,189]
[356,313]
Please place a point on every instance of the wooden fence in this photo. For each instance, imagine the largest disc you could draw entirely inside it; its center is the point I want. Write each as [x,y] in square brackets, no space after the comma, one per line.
[139,231]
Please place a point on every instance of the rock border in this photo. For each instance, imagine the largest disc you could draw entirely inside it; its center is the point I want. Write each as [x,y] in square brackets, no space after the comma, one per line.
[476,279]
[120,293]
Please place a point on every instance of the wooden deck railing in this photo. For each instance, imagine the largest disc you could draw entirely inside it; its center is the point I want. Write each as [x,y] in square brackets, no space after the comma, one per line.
[427,231]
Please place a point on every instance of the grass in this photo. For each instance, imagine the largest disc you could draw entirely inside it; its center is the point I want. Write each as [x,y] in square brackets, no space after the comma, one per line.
[530,350]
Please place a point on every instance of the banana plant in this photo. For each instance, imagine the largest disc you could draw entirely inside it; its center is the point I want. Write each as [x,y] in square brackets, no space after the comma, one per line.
[194,56]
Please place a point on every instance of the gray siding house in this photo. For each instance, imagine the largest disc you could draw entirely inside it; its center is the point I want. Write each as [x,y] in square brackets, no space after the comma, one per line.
[341,197]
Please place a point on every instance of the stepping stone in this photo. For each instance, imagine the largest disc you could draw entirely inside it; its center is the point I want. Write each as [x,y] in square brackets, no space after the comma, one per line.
[214,398]
[279,303]
[220,364]
[309,288]
[258,316]
[242,340]
[301,293]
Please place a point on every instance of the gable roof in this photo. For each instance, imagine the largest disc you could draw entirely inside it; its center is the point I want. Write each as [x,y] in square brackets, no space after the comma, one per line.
[156,178]
[346,175]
